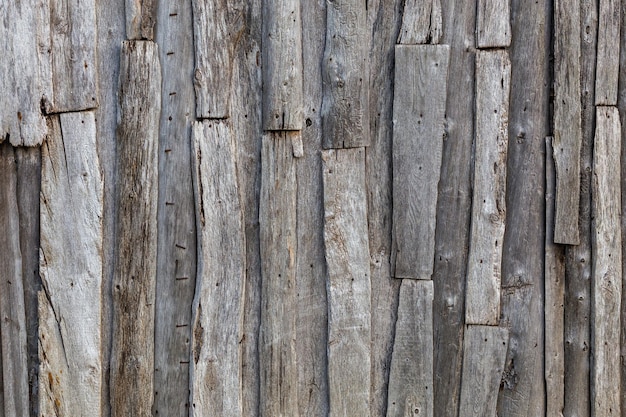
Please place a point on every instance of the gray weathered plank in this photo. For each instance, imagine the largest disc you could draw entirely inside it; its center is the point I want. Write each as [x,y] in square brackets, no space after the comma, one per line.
[483,364]
[421,22]
[345,75]
[411,374]
[71,268]
[607,64]
[607,263]
[493,27]
[567,120]
[349,293]
[493,81]
[418,117]
[132,357]
[621,103]
[140,19]
[282,65]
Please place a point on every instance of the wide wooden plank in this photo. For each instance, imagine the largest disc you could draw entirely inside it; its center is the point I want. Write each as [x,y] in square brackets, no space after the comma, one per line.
[493,81]
[349,293]
[140,19]
[493,27]
[607,60]
[607,263]
[71,268]
[411,375]
[483,364]
[132,357]
[282,65]
[345,75]
[421,22]
[73,37]
[418,115]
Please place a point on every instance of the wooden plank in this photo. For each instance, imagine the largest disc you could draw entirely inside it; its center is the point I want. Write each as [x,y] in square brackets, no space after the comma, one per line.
[421,22]
[621,105]
[411,375]
[345,75]
[349,293]
[493,27]
[73,37]
[493,81]
[567,120]
[140,19]
[418,115]
[282,65]
[71,269]
[132,357]
[607,64]
[483,364]
[607,264]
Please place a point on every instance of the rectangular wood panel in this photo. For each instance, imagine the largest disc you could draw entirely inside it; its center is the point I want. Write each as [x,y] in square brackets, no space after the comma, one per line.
[607,60]
[493,27]
[421,22]
[418,115]
[140,19]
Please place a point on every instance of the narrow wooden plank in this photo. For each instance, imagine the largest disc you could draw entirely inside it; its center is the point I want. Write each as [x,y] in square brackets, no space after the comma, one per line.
[71,268]
[132,357]
[282,65]
[493,27]
[493,81]
[73,37]
[411,375]
[421,22]
[567,120]
[418,115]
[483,364]
[607,263]
[218,305]
[140,19]
[345,75]
[349,293]
[607,64]
[621,105]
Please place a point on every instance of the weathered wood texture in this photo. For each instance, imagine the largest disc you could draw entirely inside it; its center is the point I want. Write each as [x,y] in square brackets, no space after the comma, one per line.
[493,25]
[421,22]
[349,291]
[282,65]
[140,19]
[218,305]
[345,75]
[607,263]
[621,103]
[493,81]
[411,375]
[607,67]
[71,268]
[132,357]
[483,364]
[418,117]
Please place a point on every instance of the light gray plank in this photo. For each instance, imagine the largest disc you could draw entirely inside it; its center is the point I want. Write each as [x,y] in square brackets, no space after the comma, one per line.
[493,27]
[621,104]
[607,60]
[349,288]
[140,19]
[132,357]
[418,118]
[411,375]
[493,81]
[345,75]
[282,65]
[421,22]
[71,269]
[607,263]
[483,364]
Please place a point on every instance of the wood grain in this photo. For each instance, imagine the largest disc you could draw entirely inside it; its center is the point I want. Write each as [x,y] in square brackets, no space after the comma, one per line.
[141,17]
[607,64]
[493,27]
[421,22]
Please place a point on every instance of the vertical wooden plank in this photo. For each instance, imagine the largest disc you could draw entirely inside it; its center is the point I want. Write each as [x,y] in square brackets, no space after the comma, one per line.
[345,75]
[71,268]
[483,364]
[607,64]
[421,22]
[493,80]
[493,27]
[418,116]
[621,104]
[282,65]
[132,357]
[607,263]
[349,294]
[411,375]
[140,19]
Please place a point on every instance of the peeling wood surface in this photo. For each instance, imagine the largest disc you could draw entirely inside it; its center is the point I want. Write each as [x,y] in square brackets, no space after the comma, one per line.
[141,17]
[493,27]
[421,22]
[607,64]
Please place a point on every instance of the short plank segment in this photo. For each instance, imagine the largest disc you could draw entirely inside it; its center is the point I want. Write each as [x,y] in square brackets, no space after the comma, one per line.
[418,115]
[421,22]
[282,65]
[140,19]
[607,264]
[483,364]
[493,27]
[218,305]
[493,80]
[348,261]
[70,373]
[132,357]
[277,221]
[345,76]
[411,374]
[607,61]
